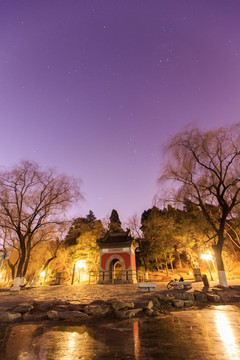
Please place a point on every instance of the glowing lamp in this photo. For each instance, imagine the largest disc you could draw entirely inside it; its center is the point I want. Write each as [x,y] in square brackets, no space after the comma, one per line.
[206,256]
[81,264]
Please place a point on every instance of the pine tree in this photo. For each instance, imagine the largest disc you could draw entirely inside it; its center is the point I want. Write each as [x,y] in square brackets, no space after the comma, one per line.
[115,223]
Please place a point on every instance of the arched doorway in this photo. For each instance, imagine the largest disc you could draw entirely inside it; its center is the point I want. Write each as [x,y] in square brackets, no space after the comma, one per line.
[116,271]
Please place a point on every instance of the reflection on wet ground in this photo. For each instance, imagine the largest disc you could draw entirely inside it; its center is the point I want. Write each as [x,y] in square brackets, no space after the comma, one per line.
[195,334]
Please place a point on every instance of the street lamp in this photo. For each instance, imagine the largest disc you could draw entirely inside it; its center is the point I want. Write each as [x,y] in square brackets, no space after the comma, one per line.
[42,276]
[80,264]
[208,257]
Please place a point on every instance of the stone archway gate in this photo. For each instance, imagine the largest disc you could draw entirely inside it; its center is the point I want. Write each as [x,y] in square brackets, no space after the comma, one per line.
[117,247]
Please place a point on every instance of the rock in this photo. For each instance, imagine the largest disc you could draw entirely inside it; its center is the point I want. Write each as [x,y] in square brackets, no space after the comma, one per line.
[155,301]
[188,303]
[34,317]
[132,313]
[156,313]
[164,298]
[9,317]
[235,298]
[150,305]
[66,315]
[161,297]
[44,306]
[127,314]
[93,309]
[120,304]
[213,298]
[200,296]
[73,315]
[224,297]
[177,303]
[184,295]
[97,310]
[149,312]
[53,315]
[97,302]
[120,314]
[23,308]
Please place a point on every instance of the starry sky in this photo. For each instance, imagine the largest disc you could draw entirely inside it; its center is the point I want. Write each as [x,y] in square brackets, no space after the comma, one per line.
[95,88]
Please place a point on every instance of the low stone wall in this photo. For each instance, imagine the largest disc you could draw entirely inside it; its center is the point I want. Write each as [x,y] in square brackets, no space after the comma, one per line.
[159,304]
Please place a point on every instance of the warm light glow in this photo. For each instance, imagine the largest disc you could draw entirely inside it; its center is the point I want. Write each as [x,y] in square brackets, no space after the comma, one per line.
[43,273]
[206,256]
[1,276]
[81,264]
[226,332]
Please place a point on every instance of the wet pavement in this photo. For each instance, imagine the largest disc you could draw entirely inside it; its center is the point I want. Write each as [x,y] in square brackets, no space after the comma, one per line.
[210,333]
[85,293]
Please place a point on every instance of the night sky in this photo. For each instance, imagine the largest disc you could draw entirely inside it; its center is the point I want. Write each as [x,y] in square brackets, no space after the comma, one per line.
[95,88]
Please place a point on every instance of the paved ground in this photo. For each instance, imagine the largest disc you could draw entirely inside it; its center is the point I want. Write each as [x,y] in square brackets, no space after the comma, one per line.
[84,293]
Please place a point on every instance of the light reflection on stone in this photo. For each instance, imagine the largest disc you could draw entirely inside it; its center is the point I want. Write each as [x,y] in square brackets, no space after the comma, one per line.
[136,339]
[226,334]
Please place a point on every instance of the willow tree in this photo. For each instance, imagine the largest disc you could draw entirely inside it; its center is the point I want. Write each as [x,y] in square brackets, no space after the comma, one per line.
[206,166]
[31,201]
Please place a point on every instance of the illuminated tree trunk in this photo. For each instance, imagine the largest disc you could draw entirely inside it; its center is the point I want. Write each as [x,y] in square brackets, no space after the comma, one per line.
[218,255]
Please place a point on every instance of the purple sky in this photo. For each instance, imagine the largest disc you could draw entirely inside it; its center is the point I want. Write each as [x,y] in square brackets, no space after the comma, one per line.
[95,88]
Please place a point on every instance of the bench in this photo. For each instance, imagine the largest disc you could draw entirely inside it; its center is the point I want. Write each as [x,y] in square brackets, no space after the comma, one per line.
[182,285]
[146,287]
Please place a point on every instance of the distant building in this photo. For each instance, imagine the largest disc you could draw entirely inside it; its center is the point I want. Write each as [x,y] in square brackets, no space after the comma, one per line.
[117,259]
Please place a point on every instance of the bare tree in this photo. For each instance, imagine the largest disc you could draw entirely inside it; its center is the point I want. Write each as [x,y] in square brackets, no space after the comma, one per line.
[31,200]
[206,166]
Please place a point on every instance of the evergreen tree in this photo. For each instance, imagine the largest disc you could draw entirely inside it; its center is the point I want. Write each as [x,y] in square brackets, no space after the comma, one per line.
[115,223]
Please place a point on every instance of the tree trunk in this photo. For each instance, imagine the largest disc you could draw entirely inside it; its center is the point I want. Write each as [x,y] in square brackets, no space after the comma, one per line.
[220,266]
[13,269]
[44,268]
[157,264]
[19,280]
[171,266]
[179,259]
[26,263]
[167,268]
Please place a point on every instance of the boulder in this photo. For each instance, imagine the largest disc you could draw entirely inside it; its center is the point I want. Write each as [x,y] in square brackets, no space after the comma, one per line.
[177,303]
[150,305]
[66,315]
[53,315]
[73,315]
[155,301]
[151,312]
[10,317]
[22,308]
[127,314]
[34,317]
[225,297]
[161,297]
[188,303]
[200,296]
[213,298]
[97,310]
[120,304]
[44,306]
[184,295]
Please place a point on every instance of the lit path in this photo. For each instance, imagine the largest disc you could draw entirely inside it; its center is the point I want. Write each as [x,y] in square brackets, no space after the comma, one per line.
[84,293]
